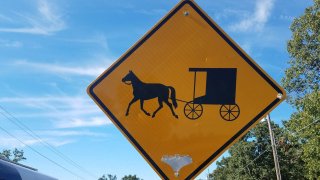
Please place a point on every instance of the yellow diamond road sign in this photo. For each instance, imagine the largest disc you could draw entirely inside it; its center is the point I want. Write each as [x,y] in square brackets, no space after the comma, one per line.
[184,93]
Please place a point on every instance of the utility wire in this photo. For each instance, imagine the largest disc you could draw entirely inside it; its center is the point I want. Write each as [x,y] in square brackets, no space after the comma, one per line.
[276,144]
[308,125]
[52,161]
[22,126]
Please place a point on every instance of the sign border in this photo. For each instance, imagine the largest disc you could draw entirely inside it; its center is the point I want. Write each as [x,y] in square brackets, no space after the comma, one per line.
[234,46]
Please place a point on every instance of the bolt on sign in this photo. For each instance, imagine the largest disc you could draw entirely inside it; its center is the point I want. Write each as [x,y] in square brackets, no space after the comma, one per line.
[184,93]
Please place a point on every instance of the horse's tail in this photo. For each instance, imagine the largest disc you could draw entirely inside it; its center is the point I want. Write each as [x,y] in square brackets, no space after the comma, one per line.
[173,96]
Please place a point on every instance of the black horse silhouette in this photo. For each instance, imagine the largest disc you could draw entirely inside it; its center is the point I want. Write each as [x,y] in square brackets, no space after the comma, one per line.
[146,91]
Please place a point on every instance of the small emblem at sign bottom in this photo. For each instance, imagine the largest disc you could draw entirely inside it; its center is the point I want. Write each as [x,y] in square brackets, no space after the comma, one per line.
[176,162]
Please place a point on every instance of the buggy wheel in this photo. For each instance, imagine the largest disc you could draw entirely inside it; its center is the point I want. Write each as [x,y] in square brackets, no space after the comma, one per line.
[229,112]
[193,111]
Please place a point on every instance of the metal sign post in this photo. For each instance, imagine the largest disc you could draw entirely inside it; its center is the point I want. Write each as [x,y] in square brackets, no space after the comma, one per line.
[274,149]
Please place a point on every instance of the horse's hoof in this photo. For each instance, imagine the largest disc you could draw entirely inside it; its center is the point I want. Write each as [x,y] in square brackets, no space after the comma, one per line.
[148,114]
[153,115]
[176,116]
[127,114]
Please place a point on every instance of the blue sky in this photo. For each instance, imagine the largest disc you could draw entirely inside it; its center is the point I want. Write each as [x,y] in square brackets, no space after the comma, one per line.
[52,50]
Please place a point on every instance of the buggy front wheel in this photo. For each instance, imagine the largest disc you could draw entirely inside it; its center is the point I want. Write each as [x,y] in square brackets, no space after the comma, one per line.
[193,111]
[229,112]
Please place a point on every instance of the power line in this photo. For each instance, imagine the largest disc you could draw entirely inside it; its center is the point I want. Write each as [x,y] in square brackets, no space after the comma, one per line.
[52,161]
[276,144]
[22,126]
[308,125]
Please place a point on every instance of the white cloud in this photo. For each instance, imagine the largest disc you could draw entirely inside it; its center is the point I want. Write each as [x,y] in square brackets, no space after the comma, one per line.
[5,18]
[89,122]
[51,102]
[66,133]
[14,143]
[45,21]
[55,138]
[49,106]
[286,17]
[10,44]
[10,142]
[257,20]
[59,142]
[225,14]
[61,69]
[99,39]
[63,111]
[151,11]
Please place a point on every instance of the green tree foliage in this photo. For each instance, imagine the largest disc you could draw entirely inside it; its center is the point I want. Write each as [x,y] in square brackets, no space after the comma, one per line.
[114,177]
[131,177]
[6,154]
[18,155]
[251,157]
[15,156]
[302,81]
[304,131]
[299,139]
[108,177]
[303,77]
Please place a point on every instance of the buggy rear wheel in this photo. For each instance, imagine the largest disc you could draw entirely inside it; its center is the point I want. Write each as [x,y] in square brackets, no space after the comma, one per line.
[229,112]
[193,111]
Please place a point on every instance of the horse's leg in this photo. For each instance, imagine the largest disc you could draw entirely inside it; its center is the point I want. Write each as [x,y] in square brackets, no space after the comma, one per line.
[141,106]
[160,106]
[130,103]
[170,105]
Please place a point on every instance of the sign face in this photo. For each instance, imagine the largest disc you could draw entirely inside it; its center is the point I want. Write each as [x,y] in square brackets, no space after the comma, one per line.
[184,93]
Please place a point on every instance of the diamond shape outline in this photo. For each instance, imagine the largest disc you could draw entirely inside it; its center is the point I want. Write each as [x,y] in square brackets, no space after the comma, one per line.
[234,46]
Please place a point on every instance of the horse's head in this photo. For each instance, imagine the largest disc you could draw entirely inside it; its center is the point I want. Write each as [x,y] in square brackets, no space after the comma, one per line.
[129,78]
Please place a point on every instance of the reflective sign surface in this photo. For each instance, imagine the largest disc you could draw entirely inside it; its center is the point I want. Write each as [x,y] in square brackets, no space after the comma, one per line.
[184,93]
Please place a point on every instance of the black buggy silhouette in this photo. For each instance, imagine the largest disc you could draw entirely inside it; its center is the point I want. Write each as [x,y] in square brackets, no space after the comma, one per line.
[220,90]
